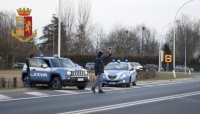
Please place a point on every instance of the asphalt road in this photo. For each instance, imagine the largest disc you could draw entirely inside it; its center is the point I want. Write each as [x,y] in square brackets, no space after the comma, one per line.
[159,97]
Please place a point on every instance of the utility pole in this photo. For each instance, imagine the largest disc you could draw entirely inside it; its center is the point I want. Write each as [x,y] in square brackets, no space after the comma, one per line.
[143,28]
[185,48]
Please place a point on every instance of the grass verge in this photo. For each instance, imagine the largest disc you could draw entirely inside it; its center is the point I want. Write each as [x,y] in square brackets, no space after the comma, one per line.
[168,76]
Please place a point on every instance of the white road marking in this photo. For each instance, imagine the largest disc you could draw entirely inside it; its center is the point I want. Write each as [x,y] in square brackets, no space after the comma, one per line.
[116,106]
[4,97]
[89,89]
[36,94]
[112,88]
[67,91]
[45,95]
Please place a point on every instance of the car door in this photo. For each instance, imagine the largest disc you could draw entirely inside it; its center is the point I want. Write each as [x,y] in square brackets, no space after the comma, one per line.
[132,64]
[132,72]
[39,70]
[182,68]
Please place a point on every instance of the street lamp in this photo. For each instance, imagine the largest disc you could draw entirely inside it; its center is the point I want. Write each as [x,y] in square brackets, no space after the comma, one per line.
[174,39]
[124,43]
[53,34]
[59,29]
[159,65]
[143,28]
[185,46]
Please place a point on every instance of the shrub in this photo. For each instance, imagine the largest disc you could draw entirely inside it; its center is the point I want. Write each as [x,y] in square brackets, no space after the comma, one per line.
[3,82]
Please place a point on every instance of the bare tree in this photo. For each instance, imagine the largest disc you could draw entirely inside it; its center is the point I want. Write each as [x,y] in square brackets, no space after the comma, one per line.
[84,24]
[68,19]
[98,37]
[187,35]
[11,49]
[144,41]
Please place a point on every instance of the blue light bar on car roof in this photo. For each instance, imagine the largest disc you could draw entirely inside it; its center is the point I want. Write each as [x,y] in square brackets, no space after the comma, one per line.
[41,55]
[113,60]
[56,56]
[126,60]
[118,61]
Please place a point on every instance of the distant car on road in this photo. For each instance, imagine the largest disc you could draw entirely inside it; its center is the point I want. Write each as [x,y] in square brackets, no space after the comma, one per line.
[136,65]
[119,73]
[182,68]
[152,66]
[19,65]
[77,65]
[90,66]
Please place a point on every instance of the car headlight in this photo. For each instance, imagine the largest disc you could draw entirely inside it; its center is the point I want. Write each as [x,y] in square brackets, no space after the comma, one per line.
[68,72]
[123,76]
[86,73]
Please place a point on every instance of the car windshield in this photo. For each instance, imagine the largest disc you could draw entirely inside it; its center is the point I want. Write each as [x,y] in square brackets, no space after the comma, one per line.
[117,66]
[155,66]
[62,63]
[137,64]
[90,64]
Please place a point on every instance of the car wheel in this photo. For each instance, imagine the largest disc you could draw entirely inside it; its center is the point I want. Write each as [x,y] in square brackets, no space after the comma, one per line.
[25,81]
[56,83]
[129,84]
[81,87]
[134,83]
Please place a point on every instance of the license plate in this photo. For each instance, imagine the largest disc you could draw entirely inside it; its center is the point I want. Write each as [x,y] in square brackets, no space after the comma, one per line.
[111,82]
[80,79]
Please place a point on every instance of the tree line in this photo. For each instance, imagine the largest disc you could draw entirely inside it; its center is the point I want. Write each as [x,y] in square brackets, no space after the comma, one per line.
[81,36]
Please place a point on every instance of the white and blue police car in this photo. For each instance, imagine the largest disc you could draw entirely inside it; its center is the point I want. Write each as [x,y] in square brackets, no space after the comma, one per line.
[54,71]
[119,73]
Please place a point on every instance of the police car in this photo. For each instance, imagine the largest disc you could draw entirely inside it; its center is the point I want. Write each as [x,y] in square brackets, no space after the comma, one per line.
[119,73]
[54,71]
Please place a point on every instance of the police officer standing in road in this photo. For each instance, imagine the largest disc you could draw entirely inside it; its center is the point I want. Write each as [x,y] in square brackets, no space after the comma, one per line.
[28,69]
[99,70]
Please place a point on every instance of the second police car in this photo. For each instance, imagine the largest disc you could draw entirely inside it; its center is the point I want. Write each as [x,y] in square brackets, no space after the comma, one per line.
[119,73]
[54,71]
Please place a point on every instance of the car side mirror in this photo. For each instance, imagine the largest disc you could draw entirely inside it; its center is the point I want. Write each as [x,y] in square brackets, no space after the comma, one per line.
[132,69]
[44,65]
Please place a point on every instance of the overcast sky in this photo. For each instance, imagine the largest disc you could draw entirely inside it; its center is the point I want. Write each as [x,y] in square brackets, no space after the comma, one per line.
[153,13]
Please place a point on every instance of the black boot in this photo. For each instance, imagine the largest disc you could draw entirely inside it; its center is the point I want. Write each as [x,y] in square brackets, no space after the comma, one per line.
[93,89]
[101,91]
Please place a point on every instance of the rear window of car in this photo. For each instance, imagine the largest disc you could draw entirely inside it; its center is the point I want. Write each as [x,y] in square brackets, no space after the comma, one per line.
[62,63]
[90,63]
[117,66]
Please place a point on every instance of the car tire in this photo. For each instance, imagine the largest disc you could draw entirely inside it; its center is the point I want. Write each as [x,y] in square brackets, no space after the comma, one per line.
[82,87]
[56,83]
[129,84]
[134,83]
[26,81]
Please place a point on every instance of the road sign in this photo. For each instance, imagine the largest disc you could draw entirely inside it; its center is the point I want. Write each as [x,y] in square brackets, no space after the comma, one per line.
[168,58]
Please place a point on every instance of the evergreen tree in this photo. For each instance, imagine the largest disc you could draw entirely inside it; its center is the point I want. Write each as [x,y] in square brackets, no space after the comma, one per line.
[166,49]
[50,37]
